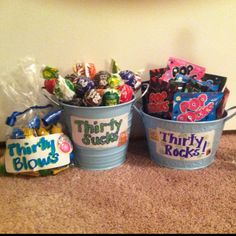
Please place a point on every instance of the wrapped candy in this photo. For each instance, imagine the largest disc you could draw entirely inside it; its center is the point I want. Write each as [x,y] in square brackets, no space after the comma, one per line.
[85,69]
[50,73]
[180,84]
[111,97]
[183,67]
[50,76]
[74,78]
[158,100]
[201,86]
[57,128]
[101,79]
[215,80]
[101,91]
[42,131]
[83,85]
[17,133]
[196,106]
[92,98]
[131,79]
[64,89]
[29,132]
[114,81]
[126,93]
[128,77]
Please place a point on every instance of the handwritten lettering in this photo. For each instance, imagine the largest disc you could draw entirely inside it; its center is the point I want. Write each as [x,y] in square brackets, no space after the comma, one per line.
[96,133]
[183,146]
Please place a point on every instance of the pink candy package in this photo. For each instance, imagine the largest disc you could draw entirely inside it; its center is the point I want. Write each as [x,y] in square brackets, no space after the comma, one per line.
[180,66]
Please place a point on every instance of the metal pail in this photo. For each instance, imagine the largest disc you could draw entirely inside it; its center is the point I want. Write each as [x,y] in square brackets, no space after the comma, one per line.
[100,135]
[183,145]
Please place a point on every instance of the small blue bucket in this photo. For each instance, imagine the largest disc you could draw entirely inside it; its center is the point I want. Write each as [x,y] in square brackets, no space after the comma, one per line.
[100,135]
[183,145]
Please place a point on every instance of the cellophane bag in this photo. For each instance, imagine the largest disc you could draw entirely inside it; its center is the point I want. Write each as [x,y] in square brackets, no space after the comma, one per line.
[35,141]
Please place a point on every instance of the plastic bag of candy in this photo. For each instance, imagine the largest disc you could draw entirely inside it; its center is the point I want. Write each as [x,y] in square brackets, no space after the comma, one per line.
[87,87]
[36,144]
[183,91]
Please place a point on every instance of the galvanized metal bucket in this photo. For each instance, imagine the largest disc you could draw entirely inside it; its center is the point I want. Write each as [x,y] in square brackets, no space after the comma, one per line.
[183,145]
[100,134]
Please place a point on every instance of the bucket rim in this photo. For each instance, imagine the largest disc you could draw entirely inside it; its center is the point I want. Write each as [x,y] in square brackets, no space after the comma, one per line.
[185,122]
[99,107]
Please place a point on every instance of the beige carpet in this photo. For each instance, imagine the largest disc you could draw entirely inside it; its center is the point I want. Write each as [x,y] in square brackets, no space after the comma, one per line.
[137,197]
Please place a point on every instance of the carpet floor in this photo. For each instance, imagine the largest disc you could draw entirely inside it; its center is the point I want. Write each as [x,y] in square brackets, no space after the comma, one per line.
[137,197]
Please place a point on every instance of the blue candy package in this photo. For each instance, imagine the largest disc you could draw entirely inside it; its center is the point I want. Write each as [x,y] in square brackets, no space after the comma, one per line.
[215,80]
[194,107]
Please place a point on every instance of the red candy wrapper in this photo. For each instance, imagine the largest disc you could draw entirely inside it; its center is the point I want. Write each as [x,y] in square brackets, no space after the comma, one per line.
[126,93]
[158,101]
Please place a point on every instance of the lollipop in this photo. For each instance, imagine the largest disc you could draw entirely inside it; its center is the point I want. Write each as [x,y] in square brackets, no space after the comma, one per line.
[115,81]
[126,93]
[92,98]
[83,85]
[50,75]
[111,97]
[128,77]
[131,79]
[85,69]
[64,89]
[101,79]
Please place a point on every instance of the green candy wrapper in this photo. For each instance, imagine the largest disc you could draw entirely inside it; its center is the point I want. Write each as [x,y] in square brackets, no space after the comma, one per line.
[64,89]
[50,72]
[111,97]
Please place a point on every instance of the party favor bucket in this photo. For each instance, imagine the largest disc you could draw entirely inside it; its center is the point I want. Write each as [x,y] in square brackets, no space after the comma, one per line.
[183,145]
[100,135]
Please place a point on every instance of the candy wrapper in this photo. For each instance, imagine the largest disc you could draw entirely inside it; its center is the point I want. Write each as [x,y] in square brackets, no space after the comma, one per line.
[179,66]
[36,144]
[183,83]
[158,101]
[215,80]
[87,87]
[194,107]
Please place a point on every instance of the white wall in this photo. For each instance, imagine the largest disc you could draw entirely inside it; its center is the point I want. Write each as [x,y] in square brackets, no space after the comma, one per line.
[138,34]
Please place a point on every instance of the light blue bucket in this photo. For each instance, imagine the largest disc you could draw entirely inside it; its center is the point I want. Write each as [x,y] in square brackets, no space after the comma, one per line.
[183,145]
[100,135]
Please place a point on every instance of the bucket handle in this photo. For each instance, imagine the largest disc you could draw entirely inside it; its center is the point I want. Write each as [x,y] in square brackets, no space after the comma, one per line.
[232,115]
[137,109]
[143,94]
[137,99]
[51,99]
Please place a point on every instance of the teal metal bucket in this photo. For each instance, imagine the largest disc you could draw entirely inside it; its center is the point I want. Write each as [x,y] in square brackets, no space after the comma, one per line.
[100,135]
[183,145]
